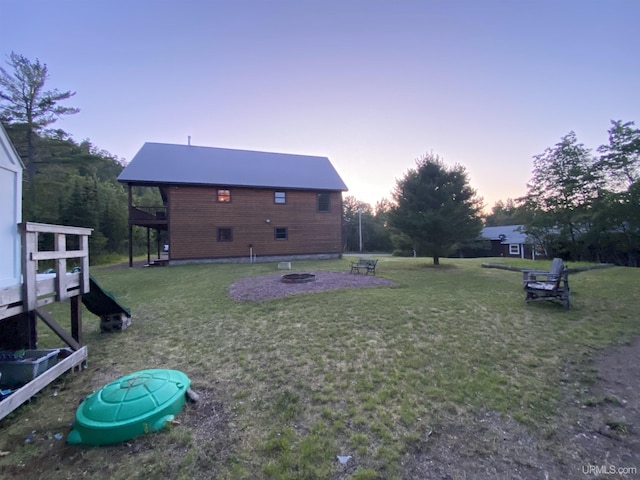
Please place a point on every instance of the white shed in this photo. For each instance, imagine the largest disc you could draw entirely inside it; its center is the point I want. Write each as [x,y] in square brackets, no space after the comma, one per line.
[10,211]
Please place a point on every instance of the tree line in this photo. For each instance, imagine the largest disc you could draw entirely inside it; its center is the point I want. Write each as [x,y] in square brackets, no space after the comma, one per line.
[579,205]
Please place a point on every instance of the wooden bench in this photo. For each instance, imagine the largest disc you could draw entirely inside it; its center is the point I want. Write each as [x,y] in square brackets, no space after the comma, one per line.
[548,285]
[366,264]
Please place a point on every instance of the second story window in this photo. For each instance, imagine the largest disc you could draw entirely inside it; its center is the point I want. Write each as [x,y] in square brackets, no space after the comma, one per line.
[324,202]
[224,195]
[280,197]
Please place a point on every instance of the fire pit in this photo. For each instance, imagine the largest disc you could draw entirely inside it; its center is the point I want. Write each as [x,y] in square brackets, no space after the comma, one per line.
[298,278]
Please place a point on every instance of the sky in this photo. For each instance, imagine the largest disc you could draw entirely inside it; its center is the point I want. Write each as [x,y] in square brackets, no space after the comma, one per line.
[371,84]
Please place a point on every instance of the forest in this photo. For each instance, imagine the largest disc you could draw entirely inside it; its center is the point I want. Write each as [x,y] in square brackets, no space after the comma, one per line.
[71,183]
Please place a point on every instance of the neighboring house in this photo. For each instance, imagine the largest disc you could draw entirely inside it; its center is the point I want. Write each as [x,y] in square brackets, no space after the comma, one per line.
[509,241]
[220,204]
[10,211]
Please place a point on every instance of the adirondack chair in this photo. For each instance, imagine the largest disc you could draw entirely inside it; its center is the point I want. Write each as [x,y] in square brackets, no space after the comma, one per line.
[548,285]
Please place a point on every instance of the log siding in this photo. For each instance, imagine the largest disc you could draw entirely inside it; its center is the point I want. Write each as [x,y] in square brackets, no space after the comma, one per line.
[196,215]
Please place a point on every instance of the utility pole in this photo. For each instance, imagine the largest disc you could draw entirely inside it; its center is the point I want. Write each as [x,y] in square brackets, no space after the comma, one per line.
[360,226]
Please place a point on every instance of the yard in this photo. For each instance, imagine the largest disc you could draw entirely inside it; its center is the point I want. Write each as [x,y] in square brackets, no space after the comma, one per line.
[446,374]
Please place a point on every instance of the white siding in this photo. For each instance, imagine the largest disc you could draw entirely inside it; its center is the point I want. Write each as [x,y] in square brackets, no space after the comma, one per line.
[10,212]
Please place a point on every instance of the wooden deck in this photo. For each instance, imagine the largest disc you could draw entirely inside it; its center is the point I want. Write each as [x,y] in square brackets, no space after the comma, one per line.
[37,290]
[155,217]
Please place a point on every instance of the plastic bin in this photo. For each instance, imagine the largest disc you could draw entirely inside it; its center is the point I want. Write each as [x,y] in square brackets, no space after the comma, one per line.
[34,363]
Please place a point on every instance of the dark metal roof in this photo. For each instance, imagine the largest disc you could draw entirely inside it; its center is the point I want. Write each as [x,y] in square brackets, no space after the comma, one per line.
[160,163]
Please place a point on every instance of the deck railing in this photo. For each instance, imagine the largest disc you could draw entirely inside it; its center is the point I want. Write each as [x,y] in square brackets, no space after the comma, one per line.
[36,291]
[148,215]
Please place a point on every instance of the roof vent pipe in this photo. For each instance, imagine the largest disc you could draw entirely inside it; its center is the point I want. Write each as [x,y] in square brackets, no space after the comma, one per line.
[189,140]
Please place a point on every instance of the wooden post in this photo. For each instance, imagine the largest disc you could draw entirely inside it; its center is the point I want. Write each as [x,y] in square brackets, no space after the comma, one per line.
[32,330]
[84,269]
[60,245]
[29,271]
[76,318]
[148,246]
[130,227]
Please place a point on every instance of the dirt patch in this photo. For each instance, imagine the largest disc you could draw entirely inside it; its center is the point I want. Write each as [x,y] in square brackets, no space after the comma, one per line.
[597,435]
[491,446]
[268,287]
[604,425]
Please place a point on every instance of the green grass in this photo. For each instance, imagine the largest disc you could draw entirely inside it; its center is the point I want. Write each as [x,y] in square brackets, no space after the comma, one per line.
[303,379]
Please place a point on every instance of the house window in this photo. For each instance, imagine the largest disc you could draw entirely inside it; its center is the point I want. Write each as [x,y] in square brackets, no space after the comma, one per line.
[514,249]
[280,233]
[324,203]
[224,234]
[280,197]
[224,195]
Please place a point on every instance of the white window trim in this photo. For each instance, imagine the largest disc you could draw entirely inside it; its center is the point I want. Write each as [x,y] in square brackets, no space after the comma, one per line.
[283,198]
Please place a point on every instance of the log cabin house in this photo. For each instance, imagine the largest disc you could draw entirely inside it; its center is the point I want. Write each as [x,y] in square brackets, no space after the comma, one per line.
[236,205]
[24,291]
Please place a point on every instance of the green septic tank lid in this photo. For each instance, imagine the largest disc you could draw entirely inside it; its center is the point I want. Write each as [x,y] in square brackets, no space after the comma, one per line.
[132,405]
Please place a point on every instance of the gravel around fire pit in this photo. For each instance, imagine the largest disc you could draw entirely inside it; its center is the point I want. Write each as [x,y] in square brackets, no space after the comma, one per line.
[268,287]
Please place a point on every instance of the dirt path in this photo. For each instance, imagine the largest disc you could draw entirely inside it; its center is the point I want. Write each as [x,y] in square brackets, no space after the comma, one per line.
[597,435]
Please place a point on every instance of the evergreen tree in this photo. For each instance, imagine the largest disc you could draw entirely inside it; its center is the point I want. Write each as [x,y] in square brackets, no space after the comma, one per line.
[436,208]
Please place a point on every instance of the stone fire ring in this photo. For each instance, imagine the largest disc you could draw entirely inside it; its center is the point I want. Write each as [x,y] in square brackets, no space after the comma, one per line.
[298,278]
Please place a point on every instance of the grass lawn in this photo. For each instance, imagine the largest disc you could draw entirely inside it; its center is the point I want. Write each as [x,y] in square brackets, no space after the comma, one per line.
[290,384]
